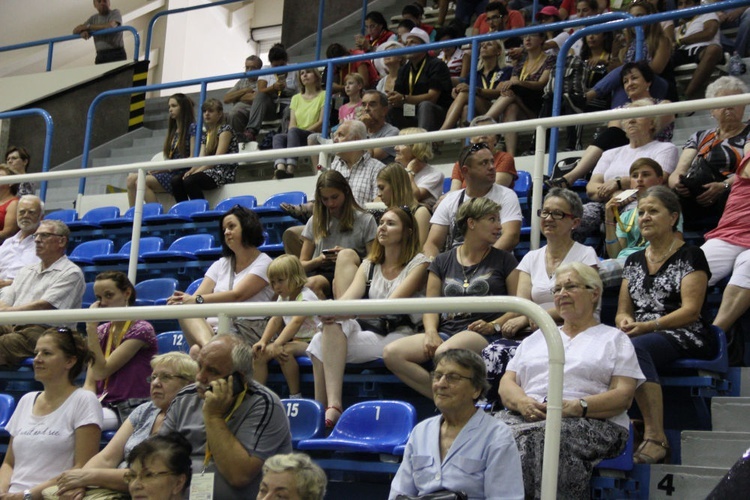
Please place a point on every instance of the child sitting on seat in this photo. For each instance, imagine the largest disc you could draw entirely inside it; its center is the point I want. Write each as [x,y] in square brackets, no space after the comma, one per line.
[286,337]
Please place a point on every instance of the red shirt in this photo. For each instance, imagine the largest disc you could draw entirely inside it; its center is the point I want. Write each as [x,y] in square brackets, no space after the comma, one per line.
[513,20]
[504,162]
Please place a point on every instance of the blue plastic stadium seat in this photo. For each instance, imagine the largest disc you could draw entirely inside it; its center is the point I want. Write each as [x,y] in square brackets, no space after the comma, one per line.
[719,364]
[149,291]
[88,296]
[248,201]
[272,243]
[272,204]
[180,212]
[92,218]
[447,184]
[7,406]
[622,462]
[306,419]
[399,450]
[213,253]
[181,249]
[126,219]
[67,216]
[368,427]
[148,244]
[85,252]
[171,341]
[190,290]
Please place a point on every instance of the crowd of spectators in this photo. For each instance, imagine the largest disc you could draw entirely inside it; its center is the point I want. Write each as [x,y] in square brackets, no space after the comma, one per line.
[209,411]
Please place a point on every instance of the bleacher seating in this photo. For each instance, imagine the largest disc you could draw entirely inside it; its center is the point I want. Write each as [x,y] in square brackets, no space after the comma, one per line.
[247,201]
[182,249]
[93,218]
[85,252]
[171,341]
[149,291]
[67,216]
[272,205]
[147,244]
[306,419]
[88,296]
[126,219]
[180,212]
[190,290]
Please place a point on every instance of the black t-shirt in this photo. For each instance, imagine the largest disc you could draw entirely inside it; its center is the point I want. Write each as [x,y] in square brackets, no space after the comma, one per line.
[434,75]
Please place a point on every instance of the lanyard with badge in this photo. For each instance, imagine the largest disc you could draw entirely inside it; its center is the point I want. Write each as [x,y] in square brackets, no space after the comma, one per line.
[113,342]
[411,109]
[202,485]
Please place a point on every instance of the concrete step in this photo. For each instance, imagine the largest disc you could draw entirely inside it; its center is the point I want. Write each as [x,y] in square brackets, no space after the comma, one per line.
[147,151]
[730,414]
[745,381]
[683,482]
[151,142]
[713,449]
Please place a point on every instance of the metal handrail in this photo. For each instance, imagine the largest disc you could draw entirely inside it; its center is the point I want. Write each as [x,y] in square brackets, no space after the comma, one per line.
[629,23]
[330,64]
[158,15]
[49,130]
[525,307]
[51,41]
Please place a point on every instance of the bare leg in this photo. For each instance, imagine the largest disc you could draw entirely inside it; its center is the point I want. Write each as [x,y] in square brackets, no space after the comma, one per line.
[404,358]
[292,239]
[152,187]
[319,376]
[319,285]
[196,330]
[290,368]
[511,138]
[708,61]
[734,303]
[500,105]
[464,340]
[260,369]
[347,263]
[650,402]
[442,12]
[333,344]
[455,111]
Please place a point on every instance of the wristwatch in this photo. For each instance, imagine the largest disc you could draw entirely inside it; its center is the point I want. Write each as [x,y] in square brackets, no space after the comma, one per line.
[497,327]
[726,186]
[585,407]
[27,495]
[199,299]
[619,183]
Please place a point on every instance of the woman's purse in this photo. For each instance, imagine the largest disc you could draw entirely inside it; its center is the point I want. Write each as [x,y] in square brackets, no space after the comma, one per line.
[382,325]
[438,495]
[698,174]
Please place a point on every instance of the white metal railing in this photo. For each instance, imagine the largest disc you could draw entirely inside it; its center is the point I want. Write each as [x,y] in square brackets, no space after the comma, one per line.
[348,307]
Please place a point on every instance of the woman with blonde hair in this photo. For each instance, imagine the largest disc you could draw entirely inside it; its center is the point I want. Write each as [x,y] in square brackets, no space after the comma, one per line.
[306,117]
[395,190]
[217,139]
[426,180]
[490,72]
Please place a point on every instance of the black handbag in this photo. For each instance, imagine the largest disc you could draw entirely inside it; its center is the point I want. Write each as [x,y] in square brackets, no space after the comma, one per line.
[698,174]
[438,495]
[382,325]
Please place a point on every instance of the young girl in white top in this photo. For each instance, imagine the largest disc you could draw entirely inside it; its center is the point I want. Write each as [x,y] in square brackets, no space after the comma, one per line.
[286,337]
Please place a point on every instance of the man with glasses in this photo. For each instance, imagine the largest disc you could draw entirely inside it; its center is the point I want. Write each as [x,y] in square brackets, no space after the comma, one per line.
[242,96]
[233,423]
[478,169]
[497,17]
[53,283]
[19,250]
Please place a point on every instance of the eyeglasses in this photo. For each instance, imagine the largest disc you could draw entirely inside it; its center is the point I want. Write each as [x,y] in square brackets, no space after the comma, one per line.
[469,150]
[145,476]
[164,377]
[493,18]
[570,288]
[554,214]
[450,378]
[44,236]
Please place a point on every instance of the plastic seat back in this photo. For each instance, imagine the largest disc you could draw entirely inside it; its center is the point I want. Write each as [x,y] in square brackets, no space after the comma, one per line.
[89,297]
[67,215]
[189,207]
[171,341]
[306,419]
[292,197]
[7,406]
[247,201]
[718,364]
[447,184]
[84,252]
[192,243]
[148,291]
[95,215]
[193,287]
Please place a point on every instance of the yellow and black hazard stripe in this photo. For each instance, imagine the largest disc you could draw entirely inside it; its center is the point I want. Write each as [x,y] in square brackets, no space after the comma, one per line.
[138,101]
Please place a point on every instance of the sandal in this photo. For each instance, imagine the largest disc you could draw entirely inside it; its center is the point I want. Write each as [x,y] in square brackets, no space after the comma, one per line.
[299,212]
[560,182]
[639,457]
[330,423]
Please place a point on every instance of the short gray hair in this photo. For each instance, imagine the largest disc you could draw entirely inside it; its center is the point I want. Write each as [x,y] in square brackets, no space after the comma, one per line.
[242,354]
[571,198]
[34,199]
[469,360]
[309,479]
[588,274]
[482,120]
[726,84]
[60,227]
[357,129]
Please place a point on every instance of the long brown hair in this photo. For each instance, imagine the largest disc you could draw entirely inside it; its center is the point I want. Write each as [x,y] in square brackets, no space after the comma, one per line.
[321,218]
[179,126]
[410,245]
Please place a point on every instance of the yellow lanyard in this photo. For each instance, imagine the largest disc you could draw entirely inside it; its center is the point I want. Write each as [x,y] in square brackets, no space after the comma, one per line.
[524,72]
[108,350]
[237,404]
[489,83]
[413,80]
[631,222]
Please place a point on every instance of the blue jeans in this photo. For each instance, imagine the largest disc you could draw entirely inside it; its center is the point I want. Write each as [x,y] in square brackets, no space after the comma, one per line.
[742,40]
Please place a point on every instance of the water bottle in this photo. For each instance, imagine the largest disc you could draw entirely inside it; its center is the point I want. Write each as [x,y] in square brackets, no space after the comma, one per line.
[736,66]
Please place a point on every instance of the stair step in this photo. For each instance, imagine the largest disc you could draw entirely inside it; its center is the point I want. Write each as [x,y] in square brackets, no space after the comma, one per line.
[683,482]
[716,449]
[730,414]
[153,142]
[139,151]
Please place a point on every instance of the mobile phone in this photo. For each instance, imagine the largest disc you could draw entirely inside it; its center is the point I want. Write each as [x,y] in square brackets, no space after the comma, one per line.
[628,193]
[329,251]
[238,383]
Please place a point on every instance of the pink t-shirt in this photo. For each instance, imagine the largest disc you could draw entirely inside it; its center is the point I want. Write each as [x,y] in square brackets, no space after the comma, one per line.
[349,111]
[130,380]
[734,226]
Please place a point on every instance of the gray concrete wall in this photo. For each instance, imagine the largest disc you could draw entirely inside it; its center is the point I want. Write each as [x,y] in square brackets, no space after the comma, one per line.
[301,17]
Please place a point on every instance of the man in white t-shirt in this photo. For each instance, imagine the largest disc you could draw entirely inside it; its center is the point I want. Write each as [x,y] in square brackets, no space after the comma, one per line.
[478,168]
[19,250]
[697,41]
